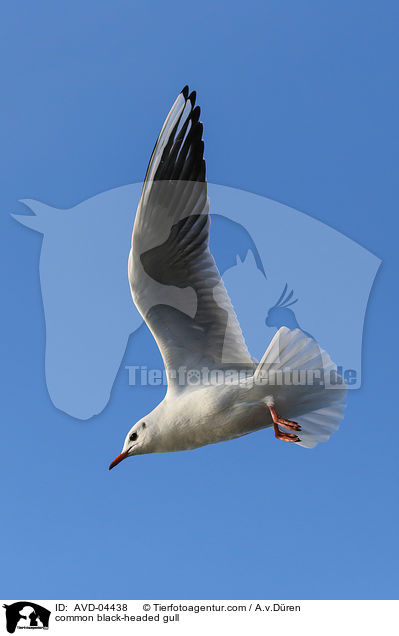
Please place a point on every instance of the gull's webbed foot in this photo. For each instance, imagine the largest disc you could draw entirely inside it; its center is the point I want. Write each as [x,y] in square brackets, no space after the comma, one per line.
[285,437]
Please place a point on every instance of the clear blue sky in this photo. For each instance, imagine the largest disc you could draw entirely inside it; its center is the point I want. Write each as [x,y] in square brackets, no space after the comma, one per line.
[300,105]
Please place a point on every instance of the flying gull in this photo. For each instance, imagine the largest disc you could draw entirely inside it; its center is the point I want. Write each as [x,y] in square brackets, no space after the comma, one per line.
[216,390]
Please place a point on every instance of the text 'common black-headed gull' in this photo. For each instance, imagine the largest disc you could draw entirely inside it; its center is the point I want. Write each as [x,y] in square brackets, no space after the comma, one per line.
[216,390]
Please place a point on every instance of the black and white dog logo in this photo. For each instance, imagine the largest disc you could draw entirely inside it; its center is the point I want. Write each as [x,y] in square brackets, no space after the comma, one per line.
[26,615]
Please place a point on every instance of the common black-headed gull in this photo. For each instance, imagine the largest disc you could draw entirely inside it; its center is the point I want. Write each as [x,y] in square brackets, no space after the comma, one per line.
[216,390]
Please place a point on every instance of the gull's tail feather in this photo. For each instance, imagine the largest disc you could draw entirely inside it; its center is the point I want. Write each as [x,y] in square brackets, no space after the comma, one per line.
[317,426]
[293,349]
[304,384]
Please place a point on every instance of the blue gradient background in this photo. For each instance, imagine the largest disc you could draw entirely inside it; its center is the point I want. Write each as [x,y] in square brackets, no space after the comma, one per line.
[300,104]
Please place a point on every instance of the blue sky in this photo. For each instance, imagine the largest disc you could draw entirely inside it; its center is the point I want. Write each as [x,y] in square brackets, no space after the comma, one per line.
[300,105]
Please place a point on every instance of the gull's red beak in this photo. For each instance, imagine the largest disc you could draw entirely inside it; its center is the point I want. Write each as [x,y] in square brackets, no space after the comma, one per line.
[118,459]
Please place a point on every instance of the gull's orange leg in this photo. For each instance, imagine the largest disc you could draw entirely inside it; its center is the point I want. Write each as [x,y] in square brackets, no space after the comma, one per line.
[285,437]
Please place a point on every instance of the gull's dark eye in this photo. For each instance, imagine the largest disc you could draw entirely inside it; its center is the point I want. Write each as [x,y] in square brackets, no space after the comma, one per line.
[133,437]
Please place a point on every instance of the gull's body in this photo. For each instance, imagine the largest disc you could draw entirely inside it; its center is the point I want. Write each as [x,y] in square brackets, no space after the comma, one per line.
[177,288]
[202,416]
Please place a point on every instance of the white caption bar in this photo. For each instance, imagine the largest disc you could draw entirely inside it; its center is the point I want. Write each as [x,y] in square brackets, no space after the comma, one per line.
[149,617]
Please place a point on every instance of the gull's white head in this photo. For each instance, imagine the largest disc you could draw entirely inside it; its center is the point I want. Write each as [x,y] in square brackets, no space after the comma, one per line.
[138,439]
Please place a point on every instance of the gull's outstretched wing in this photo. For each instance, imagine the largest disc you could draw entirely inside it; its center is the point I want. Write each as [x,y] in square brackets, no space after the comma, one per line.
[173,277]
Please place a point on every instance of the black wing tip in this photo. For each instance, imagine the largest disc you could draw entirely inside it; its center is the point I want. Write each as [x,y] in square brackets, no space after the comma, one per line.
[198,129]
[195,115]
[192,97]
[187,95]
